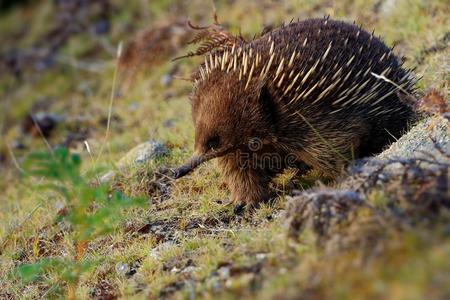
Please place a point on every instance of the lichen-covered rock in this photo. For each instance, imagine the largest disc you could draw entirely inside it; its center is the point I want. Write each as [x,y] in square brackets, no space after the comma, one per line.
[418,142]
[321,208]
[138,155]
[411,177]
[143,152]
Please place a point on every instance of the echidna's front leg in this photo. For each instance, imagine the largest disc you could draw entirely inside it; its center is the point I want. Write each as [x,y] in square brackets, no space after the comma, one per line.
[248,183]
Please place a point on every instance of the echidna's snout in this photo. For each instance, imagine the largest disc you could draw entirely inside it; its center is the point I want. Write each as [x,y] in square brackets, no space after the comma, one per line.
[195,161]
[208,145]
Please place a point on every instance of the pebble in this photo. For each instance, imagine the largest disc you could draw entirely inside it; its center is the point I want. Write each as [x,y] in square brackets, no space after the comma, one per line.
[122,268]
[138,155]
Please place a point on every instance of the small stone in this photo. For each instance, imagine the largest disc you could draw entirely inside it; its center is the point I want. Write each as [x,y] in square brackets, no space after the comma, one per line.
[59,205]
[188,270]
[138,155]
[122,268]
[224,272]
[166,80]
[155,253]
[228,283]
[107,177]
[261,256]
[148,150]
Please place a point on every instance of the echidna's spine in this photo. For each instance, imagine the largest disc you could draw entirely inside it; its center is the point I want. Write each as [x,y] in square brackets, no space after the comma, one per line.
[310,74]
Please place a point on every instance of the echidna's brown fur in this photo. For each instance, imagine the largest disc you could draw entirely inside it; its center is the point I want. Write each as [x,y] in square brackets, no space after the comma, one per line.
[313,89]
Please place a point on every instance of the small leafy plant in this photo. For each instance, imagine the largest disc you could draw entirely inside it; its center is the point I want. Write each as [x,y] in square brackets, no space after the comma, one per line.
[90,211]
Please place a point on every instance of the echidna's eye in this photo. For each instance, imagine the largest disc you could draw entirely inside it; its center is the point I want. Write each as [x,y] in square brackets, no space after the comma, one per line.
[213,142]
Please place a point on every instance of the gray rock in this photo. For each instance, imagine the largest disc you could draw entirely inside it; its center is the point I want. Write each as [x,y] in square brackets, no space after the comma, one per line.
[122,268]
[412,170]
[149,150]
[155,253]
[224,272]
[417,143]
[138,155]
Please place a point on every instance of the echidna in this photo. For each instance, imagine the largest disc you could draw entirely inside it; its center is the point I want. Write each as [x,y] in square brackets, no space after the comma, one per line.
[313,94]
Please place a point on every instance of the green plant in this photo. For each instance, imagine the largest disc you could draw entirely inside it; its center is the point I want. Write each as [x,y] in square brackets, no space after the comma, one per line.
[90,211]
